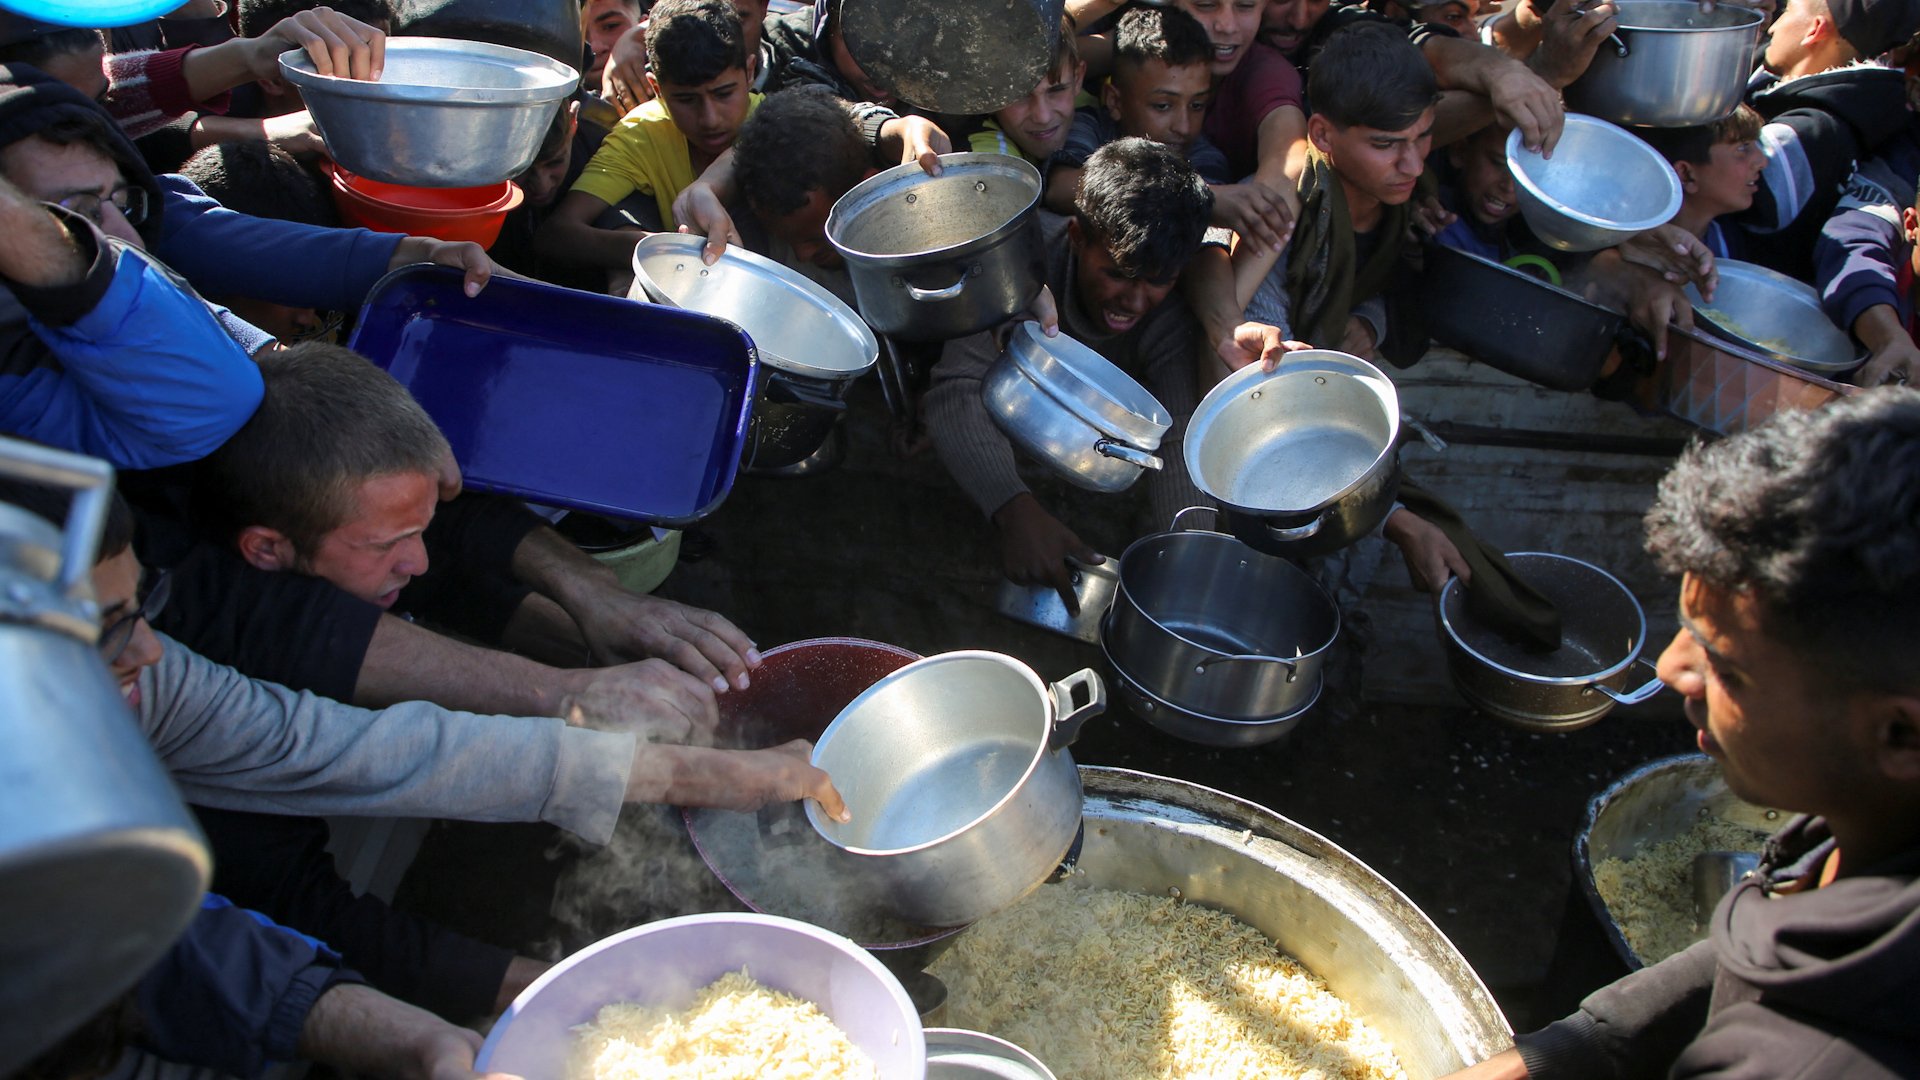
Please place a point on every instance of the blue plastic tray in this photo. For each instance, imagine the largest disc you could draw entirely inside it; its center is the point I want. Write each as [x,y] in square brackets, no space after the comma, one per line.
[570,398]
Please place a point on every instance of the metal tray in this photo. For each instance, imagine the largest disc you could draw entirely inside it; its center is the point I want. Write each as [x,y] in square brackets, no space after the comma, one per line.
[1718,386]
[570,398]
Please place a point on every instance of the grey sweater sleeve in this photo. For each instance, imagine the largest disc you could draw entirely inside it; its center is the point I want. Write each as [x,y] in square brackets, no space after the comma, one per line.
[236,743]
[1634,1027]
[969,443]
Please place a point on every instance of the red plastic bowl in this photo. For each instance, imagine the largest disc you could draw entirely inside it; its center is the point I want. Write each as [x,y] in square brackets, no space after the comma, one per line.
[469,213]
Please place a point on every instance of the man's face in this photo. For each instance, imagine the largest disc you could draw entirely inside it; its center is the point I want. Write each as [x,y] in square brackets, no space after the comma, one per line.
[603,21]
[1039,122]
[805,231]
[1382,164]
[1779,734]
[1486,183]
[1115,299]
[51,172]
[709,114]
[1455,15]
[1165,104]
[116,585]
[377,550]
[1727,181]
[1286,24]
[851,71]
[1231,26]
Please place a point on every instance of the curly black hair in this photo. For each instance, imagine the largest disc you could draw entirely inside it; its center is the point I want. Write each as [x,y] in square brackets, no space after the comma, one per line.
[1816,515]
[798,141]
[690,42]
[1146,204]
[264,181]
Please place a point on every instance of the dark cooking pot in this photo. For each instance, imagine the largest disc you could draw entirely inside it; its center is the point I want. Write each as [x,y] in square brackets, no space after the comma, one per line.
[1513,321]
[1301,459]
[964,57]
[940,257]
[1603,630]
[1211,626]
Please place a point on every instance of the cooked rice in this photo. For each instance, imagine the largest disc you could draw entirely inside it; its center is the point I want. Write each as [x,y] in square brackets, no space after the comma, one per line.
[735,1029]
[1650,896]
[1101,985]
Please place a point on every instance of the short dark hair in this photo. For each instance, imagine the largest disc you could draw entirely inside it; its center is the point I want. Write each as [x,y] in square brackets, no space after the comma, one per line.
[1145,203]
[1695,144]
[798,141]
[690,42]
[1368,74]
[259,16]
[1166,34]
[53,503]
[329,421]
[1816,515]
[264,181]
[93,129]
[38,47]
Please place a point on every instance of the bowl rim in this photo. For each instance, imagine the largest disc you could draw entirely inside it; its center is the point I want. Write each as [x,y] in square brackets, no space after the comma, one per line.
[558,79]
[505,203]
[1517,154]
[1624,5]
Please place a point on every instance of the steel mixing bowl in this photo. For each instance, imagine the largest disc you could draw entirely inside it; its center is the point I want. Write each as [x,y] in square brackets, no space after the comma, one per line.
[1602,186]
[1776,316]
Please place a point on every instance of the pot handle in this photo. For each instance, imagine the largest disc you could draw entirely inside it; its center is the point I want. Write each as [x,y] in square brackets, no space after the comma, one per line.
[1635,697]
[1174,526]
[1067,728]
[1297,532]
[1128,454]
[927,296]
[1293,665]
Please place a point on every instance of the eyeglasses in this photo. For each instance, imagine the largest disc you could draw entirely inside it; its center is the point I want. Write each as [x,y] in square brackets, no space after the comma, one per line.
[130,200]
[118,634]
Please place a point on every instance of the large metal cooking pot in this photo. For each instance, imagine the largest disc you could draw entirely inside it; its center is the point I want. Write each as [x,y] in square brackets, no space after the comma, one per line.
[1319,904]
[1302,459]
[962,794]
[1513,321]
[940,257]
[963,57]
[1776,316]
[1603,186]
[1073,409]
[1678,64]
[814,346]
[1602,632]
[1214,627]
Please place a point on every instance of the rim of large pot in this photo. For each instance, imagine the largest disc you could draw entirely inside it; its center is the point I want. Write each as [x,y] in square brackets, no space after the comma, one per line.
[1627,6]
[1212,536]
[1040,751]
[850,205]
[1639,639]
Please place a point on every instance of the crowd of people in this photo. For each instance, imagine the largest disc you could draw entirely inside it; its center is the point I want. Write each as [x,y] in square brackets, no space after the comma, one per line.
[308,615]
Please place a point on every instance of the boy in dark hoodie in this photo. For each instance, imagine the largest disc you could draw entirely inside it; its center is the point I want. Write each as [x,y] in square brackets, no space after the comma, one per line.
[1799,543]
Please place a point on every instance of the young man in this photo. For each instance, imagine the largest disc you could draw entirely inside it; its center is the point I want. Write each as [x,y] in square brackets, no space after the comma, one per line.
[1799,546]
[1866,262]
[1036,126]
[1158,90]
[698,63]
[1720,165]
[1138,220]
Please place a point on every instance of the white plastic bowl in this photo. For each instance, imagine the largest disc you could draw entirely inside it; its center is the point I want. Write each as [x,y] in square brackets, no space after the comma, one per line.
[664,964]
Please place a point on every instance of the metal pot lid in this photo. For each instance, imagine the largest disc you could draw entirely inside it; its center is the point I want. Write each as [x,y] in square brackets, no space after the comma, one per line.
[1775,316]
[1090,386]
[1603,626]
[964,57]
[1244,449]
[959,1054]
[797,326]
[904,216]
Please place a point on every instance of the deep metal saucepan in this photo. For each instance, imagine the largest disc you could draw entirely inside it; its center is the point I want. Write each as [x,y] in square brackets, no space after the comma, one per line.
[962,794]
[1603,631]
[1195,727]
[1302,459]
[1679,64]
[1074,410]
[940,257]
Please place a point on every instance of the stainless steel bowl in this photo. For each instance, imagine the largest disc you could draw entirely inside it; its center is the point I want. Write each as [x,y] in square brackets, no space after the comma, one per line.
[445,113]
[1074,410]
[1777,317]
[1602,186]
[1678,64]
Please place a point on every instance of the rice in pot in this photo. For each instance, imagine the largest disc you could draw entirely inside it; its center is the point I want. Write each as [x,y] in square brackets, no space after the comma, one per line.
[1650,895]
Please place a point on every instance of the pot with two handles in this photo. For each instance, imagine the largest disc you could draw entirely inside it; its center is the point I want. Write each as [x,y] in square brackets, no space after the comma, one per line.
[1074,410]
[1303,459]
[956,773]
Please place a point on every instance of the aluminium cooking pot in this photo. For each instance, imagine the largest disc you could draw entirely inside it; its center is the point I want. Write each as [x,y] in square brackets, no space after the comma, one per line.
[1514,322]
[1194,727]
[1302,459]
[1074,410]
[1603,630]
[940,257]
[1677,64]
[962,794]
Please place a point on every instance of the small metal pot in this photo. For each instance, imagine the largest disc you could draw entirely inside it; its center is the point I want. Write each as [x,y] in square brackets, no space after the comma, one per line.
[1302,459]
[1211,626]
[940,257]
[1602,632]
[962,57]
[1181,723]
[1677,64]
[1073,409]
[962,792]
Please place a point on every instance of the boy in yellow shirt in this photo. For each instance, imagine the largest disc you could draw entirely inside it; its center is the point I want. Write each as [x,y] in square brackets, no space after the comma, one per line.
[697,62]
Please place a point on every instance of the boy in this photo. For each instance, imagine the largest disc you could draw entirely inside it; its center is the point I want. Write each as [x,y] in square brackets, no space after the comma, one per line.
[794,160]
[1720,165]
[1159,90]
[1036,126]
[1480,195]
[698,60]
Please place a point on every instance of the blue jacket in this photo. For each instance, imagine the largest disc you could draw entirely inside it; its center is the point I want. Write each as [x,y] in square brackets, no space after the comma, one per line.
[234,992]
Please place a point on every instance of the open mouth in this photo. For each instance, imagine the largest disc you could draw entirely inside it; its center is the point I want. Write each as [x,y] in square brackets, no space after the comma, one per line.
[1491,207]
[1224,53]
[1119,321]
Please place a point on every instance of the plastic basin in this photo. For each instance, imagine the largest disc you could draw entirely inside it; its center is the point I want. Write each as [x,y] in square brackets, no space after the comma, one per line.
[457,214]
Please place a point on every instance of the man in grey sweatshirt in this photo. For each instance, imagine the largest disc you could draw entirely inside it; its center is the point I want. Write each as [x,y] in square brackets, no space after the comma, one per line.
[1799,543]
